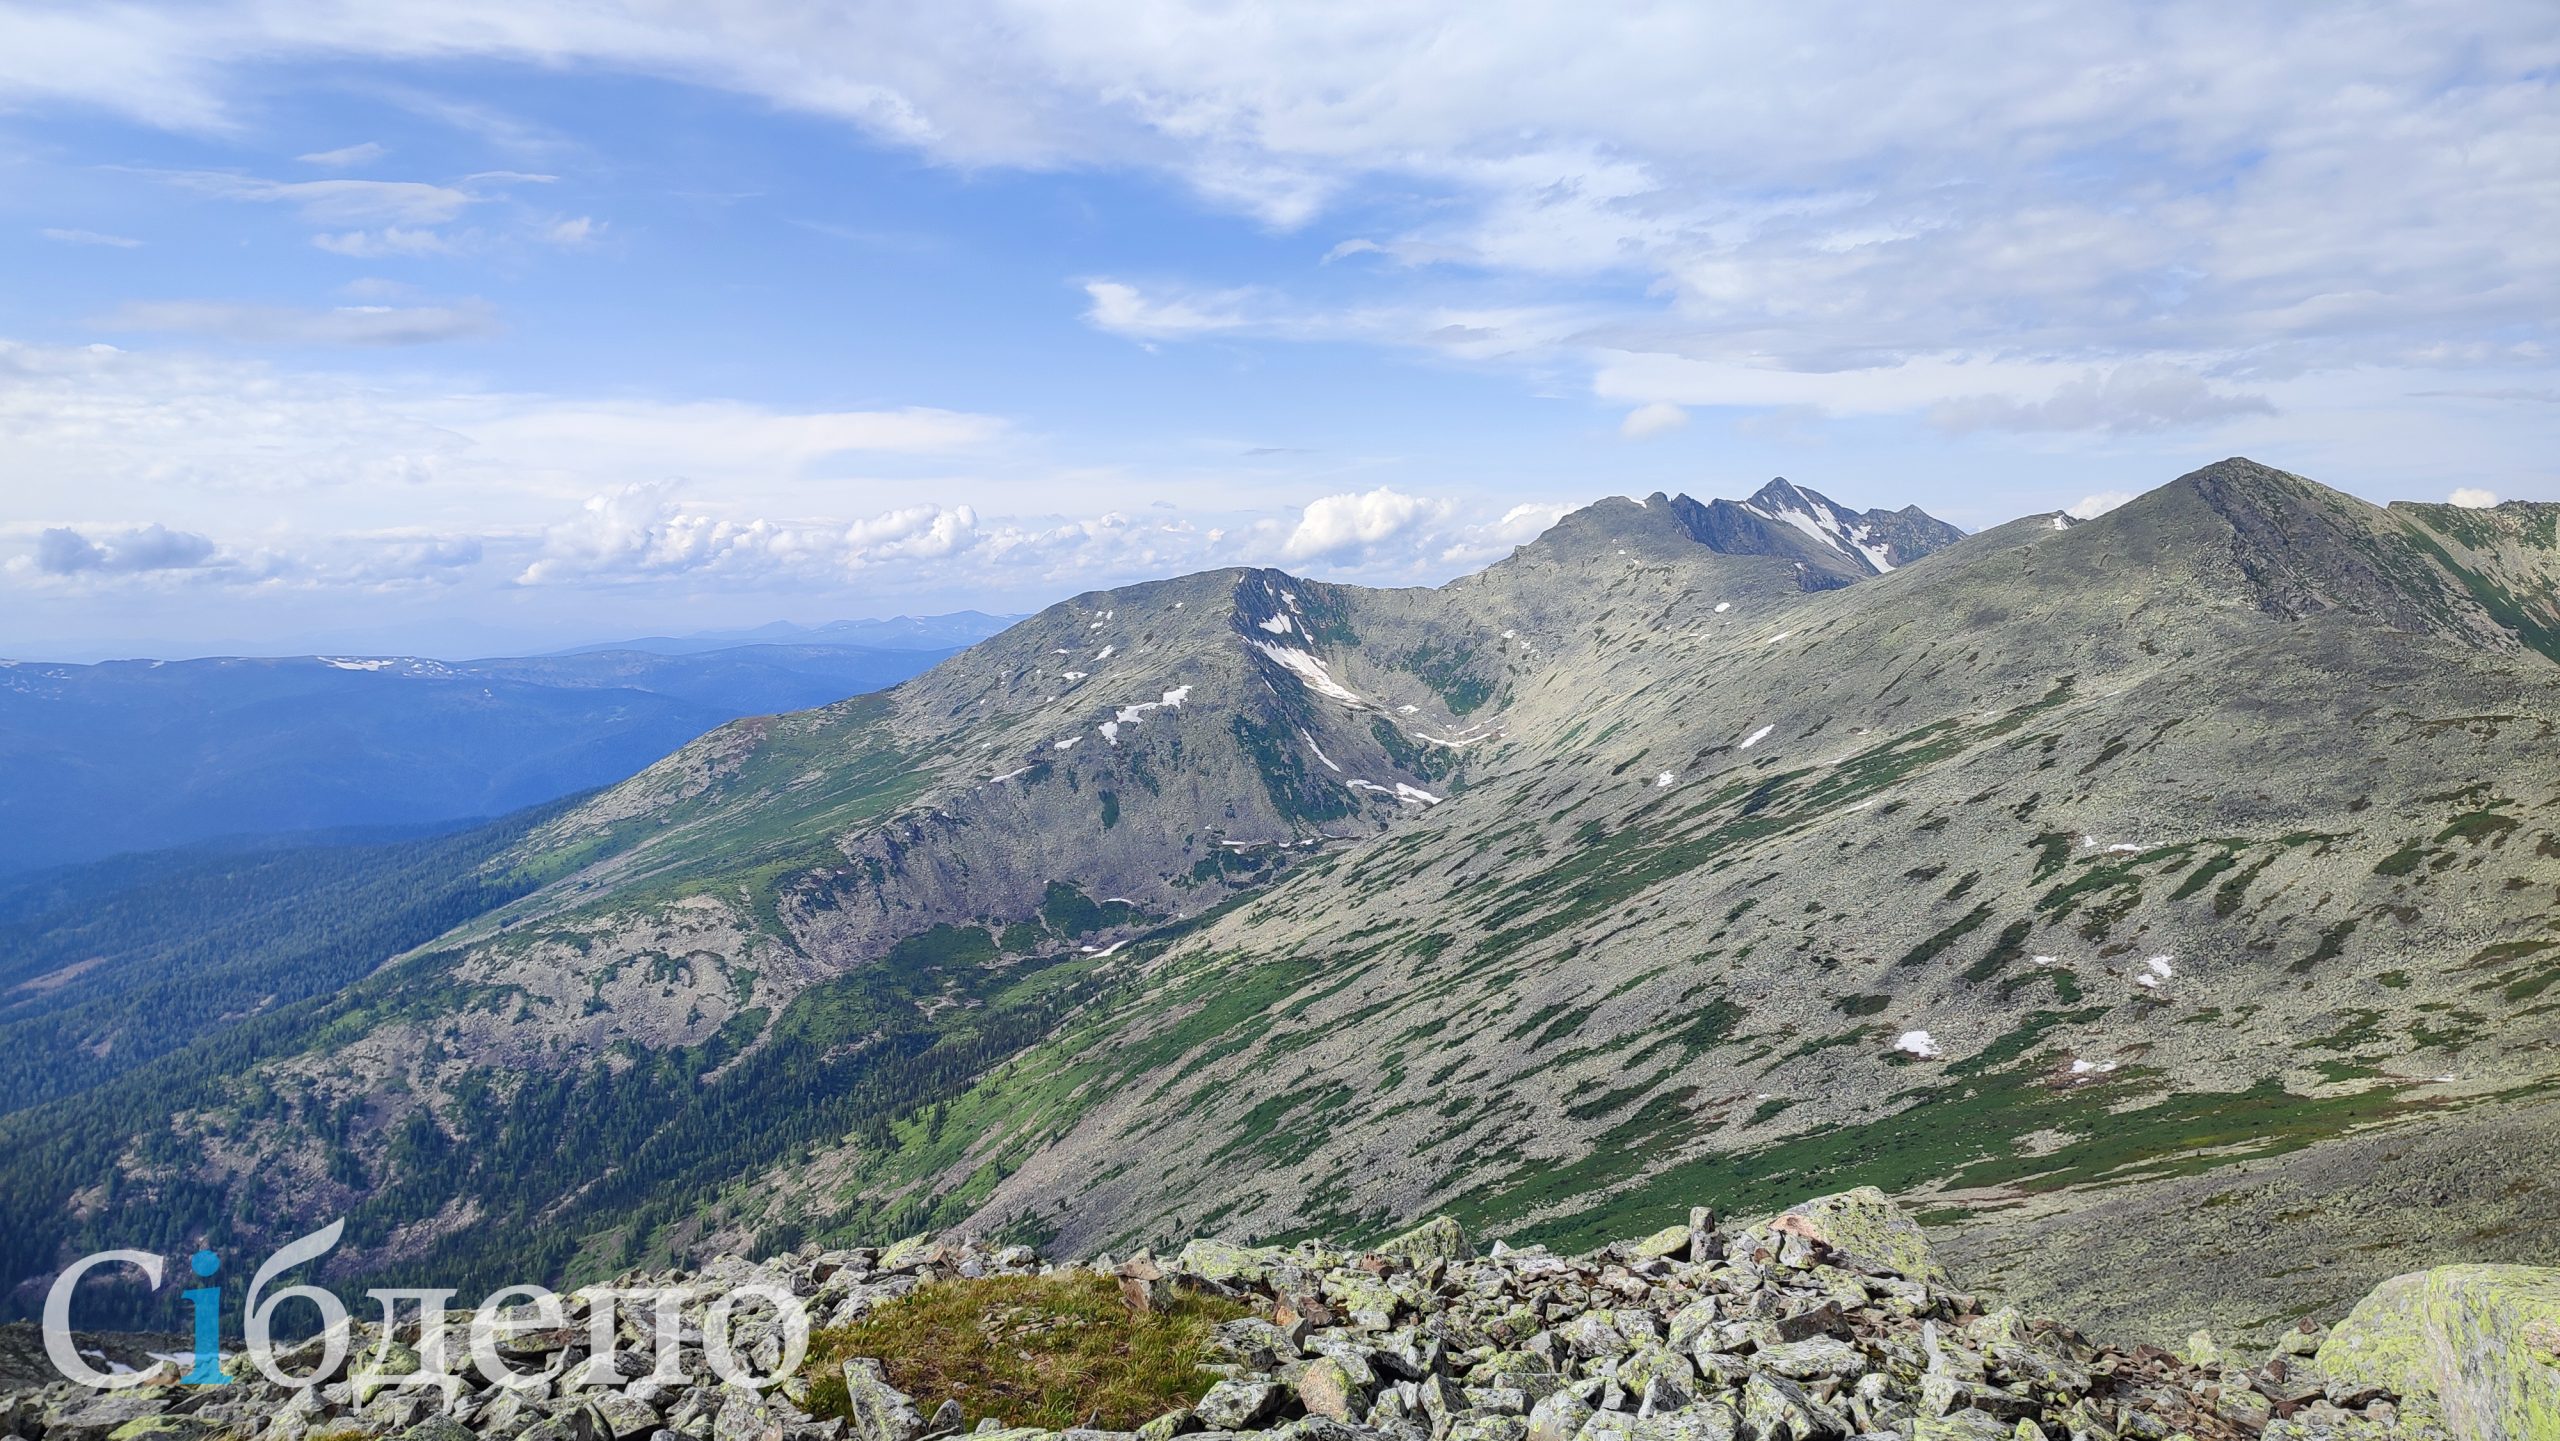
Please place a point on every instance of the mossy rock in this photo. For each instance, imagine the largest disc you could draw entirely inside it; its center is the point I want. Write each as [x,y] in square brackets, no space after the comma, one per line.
[2480,1343]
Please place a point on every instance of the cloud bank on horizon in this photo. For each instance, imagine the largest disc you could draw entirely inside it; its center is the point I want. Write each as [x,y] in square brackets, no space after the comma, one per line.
[557,318]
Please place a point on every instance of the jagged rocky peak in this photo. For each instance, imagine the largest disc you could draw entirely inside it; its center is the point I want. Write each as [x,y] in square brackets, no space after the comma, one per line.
[1826,544]
[1830,544]
[1883,539]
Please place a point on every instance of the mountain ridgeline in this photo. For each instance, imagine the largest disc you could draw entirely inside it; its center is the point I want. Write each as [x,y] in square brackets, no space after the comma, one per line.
[136,755]
[2075,880]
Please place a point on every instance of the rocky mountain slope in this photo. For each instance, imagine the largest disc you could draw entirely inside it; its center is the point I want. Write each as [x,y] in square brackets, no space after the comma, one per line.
[1719,851]
[2080,859]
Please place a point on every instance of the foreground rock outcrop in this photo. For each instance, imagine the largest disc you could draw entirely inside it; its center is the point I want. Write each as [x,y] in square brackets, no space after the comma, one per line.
[2482,1341]
[1825,1322]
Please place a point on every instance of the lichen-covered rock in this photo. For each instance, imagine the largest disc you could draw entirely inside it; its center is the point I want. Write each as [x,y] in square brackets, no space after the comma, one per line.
[1438,1239]
[1865,1226]
[2480,1344]
[1339,1388]
[907,1255]
[1669,1241]
[1795,1329]
[1558,1417]
[1223,1261]
[1233,1404]
[1962,1426]
[164,1428]
[877,1410]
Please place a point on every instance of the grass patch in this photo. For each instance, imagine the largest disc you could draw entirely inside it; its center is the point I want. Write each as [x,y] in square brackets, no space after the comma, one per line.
[1047,1351]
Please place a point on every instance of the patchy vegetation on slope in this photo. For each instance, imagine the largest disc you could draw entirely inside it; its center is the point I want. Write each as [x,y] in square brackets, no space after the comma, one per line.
[1053,1351]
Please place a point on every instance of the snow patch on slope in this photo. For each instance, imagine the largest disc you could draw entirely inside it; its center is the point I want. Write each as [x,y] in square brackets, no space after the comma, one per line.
[1310,672]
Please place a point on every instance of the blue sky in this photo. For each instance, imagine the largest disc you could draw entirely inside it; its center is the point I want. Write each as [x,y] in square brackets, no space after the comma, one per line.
[476,326]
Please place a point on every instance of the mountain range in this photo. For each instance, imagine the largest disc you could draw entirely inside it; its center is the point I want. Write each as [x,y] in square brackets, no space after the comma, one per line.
[2168,904]
[144,754]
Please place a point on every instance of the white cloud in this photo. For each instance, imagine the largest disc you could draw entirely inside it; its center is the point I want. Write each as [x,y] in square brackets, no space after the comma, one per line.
[185,438]
[2127,398]
[345,157]
[1337,524]
[2090,507]
[1124,310]
[1474,546]
[1657,418]
[92,237]
[2473,498]
[915,532]
[64,551]
[337,202]
[1805,189]
[343,325]
[391,240]
[574,234]
[641,531]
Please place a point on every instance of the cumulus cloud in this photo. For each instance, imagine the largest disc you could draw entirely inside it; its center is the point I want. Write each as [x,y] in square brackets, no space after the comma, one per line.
[640,530]
[2472,498]
[2090,507]
[915,532]
[1475,545]
[643,532]
[1339,523]
[1659,418]
[61,550]
[370,325]
[2128,398]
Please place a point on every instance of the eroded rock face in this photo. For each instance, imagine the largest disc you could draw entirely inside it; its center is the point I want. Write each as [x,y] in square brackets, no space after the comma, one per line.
[2482,1343]
[1825,1322]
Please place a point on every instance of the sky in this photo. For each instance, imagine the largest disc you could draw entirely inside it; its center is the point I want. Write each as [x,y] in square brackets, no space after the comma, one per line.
[457,326]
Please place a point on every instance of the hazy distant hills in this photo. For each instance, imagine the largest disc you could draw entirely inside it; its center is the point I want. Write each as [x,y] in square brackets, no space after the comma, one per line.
[132,755]
[2127,884]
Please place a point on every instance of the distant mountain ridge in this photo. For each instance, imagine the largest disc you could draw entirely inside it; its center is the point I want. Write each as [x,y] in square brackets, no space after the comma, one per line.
[142,755]
[1695,852]
[1830,544]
